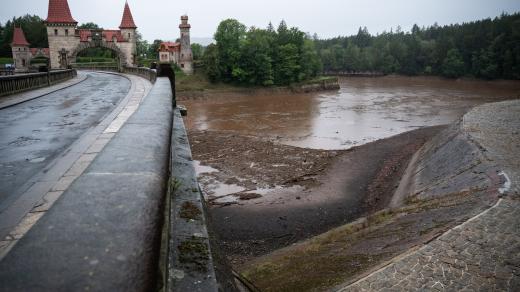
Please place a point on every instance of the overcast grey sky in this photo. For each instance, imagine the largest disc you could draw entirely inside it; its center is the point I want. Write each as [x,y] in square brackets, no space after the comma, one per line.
[158,19]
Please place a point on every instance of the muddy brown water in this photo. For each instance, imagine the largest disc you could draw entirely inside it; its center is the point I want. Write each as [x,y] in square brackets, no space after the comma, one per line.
[363,110]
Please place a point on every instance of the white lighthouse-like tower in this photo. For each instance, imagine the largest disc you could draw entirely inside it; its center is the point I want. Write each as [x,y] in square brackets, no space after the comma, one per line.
[186,56]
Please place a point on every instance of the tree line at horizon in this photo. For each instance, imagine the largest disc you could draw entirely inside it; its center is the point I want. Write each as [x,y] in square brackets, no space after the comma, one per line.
[488,49]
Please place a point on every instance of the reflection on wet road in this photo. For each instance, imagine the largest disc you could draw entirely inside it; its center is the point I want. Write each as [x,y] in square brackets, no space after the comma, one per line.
[363,110]
[35,132]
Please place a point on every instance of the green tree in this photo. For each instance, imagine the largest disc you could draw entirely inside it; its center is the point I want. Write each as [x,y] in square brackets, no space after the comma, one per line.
[487,48]
[142,46]
[310,62]
[257,66]
[230,33]
[483,65]
[153,49]
[89,25]
[34,30]
[453,66]
[197,51]
[288,65]
[211,63]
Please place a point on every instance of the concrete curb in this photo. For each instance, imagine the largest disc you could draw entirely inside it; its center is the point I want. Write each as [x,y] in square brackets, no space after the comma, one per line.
[190,260]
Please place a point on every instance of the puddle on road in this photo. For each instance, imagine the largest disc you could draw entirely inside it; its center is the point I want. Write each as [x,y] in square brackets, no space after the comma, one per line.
[37,160]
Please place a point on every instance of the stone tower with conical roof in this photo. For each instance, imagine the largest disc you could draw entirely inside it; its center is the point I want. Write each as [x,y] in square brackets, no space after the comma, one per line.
[128,31]
[21,52]
[61,29]
[66,41]
[186,57]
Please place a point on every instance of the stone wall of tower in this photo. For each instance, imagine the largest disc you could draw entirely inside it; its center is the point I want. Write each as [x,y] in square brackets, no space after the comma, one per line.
[22,57]
[129,48]
[186,56]
[61,37]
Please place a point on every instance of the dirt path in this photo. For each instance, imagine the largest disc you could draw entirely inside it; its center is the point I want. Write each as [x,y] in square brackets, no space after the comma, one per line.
[317,190]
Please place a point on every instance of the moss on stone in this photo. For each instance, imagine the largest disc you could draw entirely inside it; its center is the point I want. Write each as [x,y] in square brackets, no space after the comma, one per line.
[194,254]
[190,211]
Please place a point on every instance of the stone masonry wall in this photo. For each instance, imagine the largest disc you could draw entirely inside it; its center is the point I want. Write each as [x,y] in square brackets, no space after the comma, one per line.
[61,41]
[19,55]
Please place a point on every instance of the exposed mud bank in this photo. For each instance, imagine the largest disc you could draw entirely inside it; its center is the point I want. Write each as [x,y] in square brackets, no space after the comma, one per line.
[308,191]
[448,181]
[237,92]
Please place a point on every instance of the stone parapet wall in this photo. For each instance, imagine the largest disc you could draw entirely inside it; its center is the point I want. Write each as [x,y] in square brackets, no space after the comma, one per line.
[146,73]
[22,82]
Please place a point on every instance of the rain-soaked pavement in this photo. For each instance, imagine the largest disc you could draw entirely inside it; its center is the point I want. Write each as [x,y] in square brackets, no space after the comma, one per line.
[35,132]
[363,110]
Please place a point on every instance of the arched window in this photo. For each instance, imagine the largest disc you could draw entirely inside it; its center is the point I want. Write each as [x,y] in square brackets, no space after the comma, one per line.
[23,62]
[55,32]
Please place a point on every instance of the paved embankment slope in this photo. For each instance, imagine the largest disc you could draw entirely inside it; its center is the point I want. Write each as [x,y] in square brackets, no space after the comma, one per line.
[483,252]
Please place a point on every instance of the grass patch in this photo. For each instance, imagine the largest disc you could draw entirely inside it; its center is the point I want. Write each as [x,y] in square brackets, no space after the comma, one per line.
[194,254]
[197,82]
[319,263]
[329,259]
[4,61]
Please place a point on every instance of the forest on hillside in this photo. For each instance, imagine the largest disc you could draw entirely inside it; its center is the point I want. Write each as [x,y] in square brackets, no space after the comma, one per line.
[488,49]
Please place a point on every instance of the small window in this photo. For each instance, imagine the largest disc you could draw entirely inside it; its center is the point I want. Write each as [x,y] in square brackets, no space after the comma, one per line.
[23,62]
[19,49]
[182,65]
[182,55]
[55,32]
[66,32]
[128,35]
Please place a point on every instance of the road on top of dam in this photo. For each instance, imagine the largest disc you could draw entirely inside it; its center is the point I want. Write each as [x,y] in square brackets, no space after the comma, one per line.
[34,133]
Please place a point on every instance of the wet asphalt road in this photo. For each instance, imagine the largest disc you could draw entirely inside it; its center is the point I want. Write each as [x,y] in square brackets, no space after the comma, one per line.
[35,132]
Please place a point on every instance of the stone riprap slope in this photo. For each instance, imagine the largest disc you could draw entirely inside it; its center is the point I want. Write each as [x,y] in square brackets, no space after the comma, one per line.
[483,253]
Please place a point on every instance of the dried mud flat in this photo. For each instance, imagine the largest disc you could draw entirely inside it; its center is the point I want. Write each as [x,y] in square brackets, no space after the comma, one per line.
[286,194]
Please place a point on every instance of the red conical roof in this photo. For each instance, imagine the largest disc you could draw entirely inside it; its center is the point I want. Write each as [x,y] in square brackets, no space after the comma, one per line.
[59,12]
[128,20]
[19,38]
